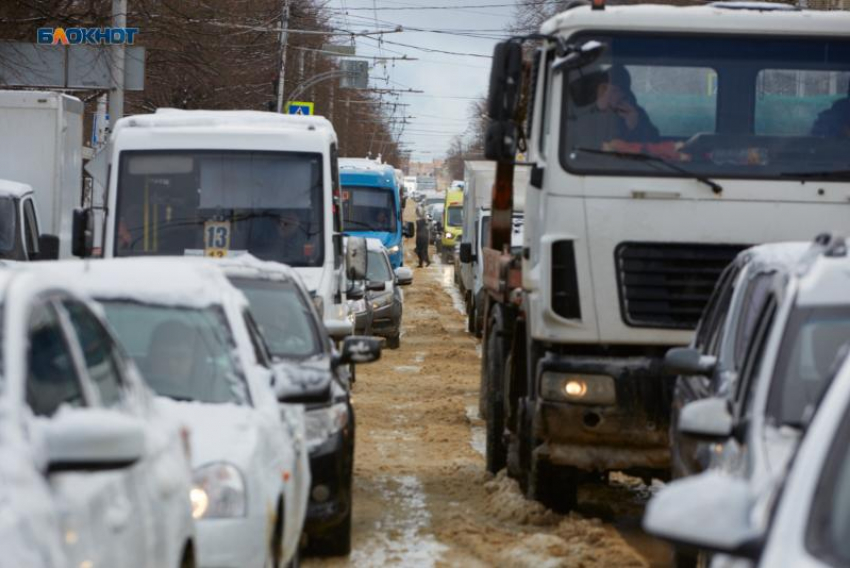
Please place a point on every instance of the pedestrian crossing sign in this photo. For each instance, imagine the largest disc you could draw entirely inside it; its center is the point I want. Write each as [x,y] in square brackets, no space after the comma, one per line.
[299,107]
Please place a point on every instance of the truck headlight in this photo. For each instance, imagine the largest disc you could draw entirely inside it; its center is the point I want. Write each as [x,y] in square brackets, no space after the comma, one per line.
[218,491]
[384,299]
[449,235]
[578,388]
[393,249]
[322,423]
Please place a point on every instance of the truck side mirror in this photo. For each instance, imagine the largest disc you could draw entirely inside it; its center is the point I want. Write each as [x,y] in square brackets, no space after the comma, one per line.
[82,233]
[466,255]
[500,140]
[505,81]
[48,247]
[355,258]
[409,230]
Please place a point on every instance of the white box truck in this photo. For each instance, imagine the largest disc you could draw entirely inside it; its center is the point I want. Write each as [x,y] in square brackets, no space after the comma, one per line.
[41,145]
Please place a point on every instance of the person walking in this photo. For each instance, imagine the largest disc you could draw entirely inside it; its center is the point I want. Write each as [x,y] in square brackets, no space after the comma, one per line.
[422,239]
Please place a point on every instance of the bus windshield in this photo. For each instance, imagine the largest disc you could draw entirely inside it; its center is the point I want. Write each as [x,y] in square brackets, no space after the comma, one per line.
[221,203]
[369,209]
[714,106]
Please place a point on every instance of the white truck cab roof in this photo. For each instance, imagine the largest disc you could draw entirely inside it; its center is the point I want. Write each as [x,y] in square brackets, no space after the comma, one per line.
[10,188]
[720,17]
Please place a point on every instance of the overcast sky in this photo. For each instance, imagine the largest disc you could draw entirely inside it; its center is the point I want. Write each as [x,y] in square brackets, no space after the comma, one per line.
[449,82]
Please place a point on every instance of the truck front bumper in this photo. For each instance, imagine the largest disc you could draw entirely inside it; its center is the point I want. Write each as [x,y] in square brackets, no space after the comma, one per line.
[628,430]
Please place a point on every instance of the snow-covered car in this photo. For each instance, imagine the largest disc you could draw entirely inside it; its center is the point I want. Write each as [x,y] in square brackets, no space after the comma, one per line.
[194,339]
[723,335]
[383,296]
[797,517]
[799,336]
[92,473]
[315,375]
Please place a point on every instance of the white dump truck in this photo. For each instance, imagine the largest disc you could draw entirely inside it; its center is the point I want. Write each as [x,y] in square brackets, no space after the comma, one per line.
[224,183]
[41,161]
[662,140]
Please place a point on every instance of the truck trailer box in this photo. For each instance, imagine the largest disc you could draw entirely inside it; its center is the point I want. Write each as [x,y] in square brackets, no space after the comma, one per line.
[41,142]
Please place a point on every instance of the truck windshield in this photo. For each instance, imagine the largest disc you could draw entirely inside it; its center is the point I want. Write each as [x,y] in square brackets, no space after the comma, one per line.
[811,348]
[454,217]
[714,106]
[8,222]
[369,209]
[184,354]
[221,203]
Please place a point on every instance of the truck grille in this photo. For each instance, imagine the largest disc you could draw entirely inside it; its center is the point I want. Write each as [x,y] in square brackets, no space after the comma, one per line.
[667,285]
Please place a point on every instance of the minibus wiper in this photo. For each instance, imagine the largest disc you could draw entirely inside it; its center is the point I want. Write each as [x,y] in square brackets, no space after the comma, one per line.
[640,157]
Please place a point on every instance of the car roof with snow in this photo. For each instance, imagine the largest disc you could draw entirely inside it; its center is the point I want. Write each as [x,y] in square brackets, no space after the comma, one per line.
[249,266]
[9,188]
[824,277]
[169,281]
[773,256]
[745,18]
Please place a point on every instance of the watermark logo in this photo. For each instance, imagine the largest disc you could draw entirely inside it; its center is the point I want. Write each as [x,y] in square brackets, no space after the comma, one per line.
[86,36]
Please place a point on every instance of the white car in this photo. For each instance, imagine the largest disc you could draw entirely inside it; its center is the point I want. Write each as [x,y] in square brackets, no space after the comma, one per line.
[191,334]
[92,473]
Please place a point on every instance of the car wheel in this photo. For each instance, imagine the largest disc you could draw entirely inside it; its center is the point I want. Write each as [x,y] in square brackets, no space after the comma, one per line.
[554,486]
[334,542]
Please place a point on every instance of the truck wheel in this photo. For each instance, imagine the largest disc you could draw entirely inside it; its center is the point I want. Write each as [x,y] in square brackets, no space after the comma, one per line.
[470,316]
[496,455]
[554,486]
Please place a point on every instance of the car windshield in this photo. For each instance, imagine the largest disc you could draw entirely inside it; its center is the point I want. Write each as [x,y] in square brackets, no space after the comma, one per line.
[184,354]
[812,343]
[8,222]
[378,270]
[283,314]
[455,217]
[369,209]
[714,106]
[217,203]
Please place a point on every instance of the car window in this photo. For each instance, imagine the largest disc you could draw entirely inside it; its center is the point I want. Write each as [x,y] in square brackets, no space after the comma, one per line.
[378,270]
[183,353]
[257,342]
[714,316]
[754,359]
[755,296]
[52,379]
[99,352]
[30,228]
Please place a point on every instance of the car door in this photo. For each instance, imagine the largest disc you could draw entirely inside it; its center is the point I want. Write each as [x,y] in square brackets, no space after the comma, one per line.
[132,515]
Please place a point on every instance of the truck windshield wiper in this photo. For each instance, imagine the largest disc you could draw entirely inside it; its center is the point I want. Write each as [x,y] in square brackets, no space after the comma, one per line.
[828,174]
[640,157]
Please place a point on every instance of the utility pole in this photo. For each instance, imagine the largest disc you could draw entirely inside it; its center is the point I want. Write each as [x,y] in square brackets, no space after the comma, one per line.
[116,94]
[284,37]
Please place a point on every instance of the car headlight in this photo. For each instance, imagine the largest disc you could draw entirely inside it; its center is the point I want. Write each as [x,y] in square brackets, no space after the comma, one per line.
[384,299]
[357,306]
[322,423]
[218,491]
[578,388]
[449,235]
[393,249]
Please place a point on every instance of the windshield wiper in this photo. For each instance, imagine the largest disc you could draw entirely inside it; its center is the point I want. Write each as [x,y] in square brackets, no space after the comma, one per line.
[829,174]
[640,157]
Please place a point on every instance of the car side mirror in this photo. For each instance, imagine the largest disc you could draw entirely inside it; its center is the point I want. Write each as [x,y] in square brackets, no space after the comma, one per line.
[710,511]
[688,361]
[375,286]
[355,293]
[93,440]
[466,255]
[708,418]
[403,276]
[358,349]
[409,230]
[338,329]
[82,233]
[48,247]
[355,258]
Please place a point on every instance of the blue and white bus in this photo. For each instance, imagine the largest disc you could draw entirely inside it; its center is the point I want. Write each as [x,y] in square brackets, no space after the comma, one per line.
[371,204]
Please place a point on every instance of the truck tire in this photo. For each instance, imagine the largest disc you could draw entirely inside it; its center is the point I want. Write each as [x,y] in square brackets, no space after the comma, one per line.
[496,456]
[556,487]
[470,315]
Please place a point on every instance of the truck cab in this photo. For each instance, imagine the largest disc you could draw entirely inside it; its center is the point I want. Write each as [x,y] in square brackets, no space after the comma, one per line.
[452,223]
[371,205]
[662,140]
[225,183]
[20,235]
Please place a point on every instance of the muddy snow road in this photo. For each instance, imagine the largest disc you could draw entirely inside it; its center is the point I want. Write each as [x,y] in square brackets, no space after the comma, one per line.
[421,494]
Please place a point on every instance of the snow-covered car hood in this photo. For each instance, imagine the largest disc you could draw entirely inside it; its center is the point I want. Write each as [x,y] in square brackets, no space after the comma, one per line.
[299,380]
[218,432]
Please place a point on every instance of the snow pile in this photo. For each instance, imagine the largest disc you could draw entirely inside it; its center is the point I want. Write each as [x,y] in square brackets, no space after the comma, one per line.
[506,503]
